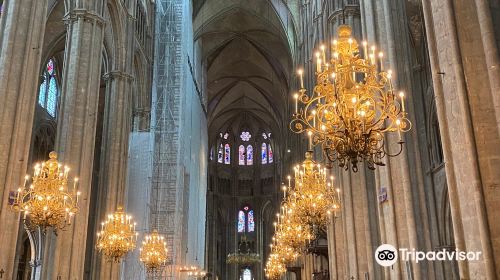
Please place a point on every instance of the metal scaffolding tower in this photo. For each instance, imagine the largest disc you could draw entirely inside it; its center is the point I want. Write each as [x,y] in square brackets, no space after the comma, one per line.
[166,200]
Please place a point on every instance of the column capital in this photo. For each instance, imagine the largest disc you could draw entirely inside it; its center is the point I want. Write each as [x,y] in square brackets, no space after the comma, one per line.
[111,75]
[84,14]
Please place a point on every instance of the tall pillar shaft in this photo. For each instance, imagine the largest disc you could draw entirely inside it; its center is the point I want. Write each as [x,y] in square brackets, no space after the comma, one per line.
[77,126]
[466,86]
[21,38]
[115,150]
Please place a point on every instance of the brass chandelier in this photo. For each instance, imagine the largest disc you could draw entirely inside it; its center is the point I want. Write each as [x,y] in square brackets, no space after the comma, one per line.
[275,267]
[117,236]
[288,231]
[352,105]
[193,271]
[312,198]
[47,201]
[153,252]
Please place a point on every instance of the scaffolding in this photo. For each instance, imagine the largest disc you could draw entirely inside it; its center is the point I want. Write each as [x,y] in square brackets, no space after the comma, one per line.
[166,207]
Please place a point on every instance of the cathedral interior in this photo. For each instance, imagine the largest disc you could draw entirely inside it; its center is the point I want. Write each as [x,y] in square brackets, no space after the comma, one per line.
[249,139]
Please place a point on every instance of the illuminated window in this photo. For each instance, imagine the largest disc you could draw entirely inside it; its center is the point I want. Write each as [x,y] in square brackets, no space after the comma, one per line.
[245,136]
[48,93]
[251,222]
[241,155]
[211,153]
[247,274]
[249,155]
[241,221]
[227,154]
[220,154]
[246,220]
[264,153]
[270,153]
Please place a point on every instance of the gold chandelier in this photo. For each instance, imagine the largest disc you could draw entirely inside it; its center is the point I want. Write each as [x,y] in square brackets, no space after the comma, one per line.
[275,267]
[352,106]
[288,231]
[117,236]
[312,199]
[47,201]
[153,252]
[193,271]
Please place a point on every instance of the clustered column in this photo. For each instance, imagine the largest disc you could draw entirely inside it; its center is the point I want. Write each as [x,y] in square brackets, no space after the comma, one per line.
[77,124]
[21,38]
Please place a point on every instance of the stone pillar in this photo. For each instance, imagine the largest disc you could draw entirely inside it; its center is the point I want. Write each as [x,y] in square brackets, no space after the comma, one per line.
[112,182]
[21,38]
[77,125]
[466,88]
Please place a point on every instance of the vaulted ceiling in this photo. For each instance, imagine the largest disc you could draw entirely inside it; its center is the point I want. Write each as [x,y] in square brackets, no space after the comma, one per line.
[247,50]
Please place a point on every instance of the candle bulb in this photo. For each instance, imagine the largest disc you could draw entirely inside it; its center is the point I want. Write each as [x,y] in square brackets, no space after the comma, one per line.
[402,95]
[365,52]
[381,56]
[314,118]
[300,72]
[323,54]
[398,123]
[310,142]
[389,76]
[74,184]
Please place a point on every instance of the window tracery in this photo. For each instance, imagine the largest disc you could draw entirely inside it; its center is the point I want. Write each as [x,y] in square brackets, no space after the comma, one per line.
[48,91]
[246,220]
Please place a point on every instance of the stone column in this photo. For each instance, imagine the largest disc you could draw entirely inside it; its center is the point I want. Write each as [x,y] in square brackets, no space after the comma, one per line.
[112,182]
[77,125]
[21,38]
[464,80]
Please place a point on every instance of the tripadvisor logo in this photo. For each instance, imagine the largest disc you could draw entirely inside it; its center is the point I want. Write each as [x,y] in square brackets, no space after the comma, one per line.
[387,255]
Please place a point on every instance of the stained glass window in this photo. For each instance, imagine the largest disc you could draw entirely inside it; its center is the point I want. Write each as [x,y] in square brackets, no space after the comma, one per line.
[270,153]
[264,135]
[226,135]
[241,155]
[48,93]
[264,153]
[241,221]
[247,274]
[251,221]
[227,154]
[220,154]
[211,153]
[245,136]
[249,155]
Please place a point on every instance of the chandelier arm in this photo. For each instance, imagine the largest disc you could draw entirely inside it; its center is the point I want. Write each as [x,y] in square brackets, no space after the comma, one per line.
[398,153]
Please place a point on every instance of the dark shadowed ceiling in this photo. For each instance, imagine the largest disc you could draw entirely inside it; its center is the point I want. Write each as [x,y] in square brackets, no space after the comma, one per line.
[247,51]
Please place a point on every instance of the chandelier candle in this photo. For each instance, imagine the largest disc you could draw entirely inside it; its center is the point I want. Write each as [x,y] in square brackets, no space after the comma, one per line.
[352,106]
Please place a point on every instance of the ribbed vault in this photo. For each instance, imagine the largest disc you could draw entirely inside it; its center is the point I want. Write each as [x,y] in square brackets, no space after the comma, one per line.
[245,46]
